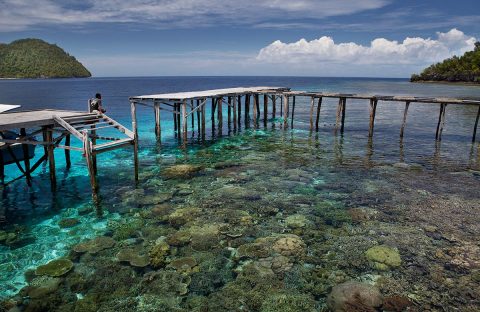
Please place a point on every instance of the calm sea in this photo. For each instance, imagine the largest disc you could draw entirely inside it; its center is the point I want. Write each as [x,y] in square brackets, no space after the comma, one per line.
[34,212]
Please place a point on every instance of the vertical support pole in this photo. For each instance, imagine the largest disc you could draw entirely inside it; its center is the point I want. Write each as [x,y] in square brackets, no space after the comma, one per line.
[198,115]
[87,150]
[184,122]
[234,113]
[229,112]
[193,116]
[239,103]
[293,110]
[247,109]
[67,152]
[2,169]
[274,105]
[179,129]
[285,111]
[265,109]
[441,122]
[255,103]
[203,118]
[26,159]
[475,126]
[45,147]
[312,105]
[214,100]
[133,109]
[319,106]
[373,111]
[220,114]
[404,122]
[175,126]
[158,126]
[51,158]
[340,121]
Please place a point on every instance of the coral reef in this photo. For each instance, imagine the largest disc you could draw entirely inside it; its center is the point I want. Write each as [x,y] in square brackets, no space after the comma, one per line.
[383,257]
[55,268]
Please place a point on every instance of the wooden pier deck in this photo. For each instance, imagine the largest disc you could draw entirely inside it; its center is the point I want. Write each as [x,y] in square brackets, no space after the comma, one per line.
[57,126]
[184,104]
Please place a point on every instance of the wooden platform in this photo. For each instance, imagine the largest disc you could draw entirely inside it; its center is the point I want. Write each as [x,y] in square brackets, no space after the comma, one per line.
[56,126]
[34,118]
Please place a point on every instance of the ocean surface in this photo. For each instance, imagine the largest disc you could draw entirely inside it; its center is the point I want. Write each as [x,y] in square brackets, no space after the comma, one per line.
[255,220]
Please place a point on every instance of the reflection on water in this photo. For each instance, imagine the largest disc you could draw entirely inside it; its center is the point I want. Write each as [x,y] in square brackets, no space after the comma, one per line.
[261,220]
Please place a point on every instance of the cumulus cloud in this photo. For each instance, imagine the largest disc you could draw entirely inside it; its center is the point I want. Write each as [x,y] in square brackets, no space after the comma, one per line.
[381,51]
[23,14]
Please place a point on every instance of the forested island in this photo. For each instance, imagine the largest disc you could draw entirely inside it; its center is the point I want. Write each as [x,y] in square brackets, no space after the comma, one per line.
[35,58]
[455,69]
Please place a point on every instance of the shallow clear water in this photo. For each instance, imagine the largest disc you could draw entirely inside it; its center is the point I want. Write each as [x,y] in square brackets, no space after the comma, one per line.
[247,192]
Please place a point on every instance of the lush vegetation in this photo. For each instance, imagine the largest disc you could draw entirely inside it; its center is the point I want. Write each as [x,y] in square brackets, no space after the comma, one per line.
[35,58]
[456,69]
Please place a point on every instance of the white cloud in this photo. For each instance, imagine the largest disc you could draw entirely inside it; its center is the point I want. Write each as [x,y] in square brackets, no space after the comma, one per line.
[23,14]
[381,51]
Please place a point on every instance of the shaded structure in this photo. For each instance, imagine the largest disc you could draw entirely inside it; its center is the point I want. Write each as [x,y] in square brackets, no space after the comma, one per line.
[57,126]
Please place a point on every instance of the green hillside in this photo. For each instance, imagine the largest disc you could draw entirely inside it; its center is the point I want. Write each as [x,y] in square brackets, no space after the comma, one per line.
[456,69]
[35,58]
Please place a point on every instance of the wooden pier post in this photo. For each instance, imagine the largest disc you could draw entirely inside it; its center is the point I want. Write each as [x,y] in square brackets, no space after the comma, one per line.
[285,111]
[239,103]
[212,113]
[247,109]
[185,122]
[312,105]
[203,119]
[229,112]
[45,147]
[133,109]
[293,110]
[26,158]
[156,111]
[198,115]
[175,126]
[67,151]
[476,124]
[178,113]
[340,121]
[234,113]
[87,150]
[220,115]
[373,112]
[404,121]
[193,116]
[274,105]
[441,122]
[265,109]
[51,158]
[255,103]
[319,106]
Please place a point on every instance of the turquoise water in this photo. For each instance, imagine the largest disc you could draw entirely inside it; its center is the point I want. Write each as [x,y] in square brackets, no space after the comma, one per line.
[262,220]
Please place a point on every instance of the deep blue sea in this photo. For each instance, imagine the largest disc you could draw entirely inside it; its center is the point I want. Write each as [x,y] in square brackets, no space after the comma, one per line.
[33,213]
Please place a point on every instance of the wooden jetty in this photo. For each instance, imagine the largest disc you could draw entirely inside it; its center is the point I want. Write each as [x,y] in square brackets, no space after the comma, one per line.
[57,126]
[184,104]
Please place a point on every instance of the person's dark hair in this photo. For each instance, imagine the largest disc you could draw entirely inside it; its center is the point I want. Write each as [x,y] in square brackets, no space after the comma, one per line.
[98,96]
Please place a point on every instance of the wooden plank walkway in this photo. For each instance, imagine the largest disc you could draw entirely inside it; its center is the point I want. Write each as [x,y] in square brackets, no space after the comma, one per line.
[184,104]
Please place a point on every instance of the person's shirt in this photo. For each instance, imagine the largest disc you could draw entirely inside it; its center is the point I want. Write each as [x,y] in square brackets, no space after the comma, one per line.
[95,104]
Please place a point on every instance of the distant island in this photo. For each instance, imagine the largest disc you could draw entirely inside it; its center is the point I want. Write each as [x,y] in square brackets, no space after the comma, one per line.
[35,58]
[455,69]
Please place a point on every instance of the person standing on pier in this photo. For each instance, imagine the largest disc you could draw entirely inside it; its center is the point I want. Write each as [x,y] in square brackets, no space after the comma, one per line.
[95,104]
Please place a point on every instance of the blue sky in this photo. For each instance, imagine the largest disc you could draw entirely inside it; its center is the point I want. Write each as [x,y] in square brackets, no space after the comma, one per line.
[376,38]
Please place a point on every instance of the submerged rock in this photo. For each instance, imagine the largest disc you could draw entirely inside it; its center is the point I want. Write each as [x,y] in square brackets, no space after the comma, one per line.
[383,257]
[68,222]
[181,171]
[134,257]
[158,254]
[354,296]
[95,245]
[55,268]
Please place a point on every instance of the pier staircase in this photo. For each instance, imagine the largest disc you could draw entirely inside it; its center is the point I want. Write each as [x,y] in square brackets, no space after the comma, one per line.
[87,129]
